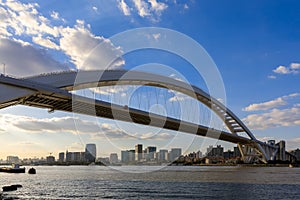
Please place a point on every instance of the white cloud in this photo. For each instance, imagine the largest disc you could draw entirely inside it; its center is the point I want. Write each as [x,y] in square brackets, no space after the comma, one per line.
[21,19]
[55,15]
[45,42]
[157,7]
[95,8]
[282,70]
[142,8]
[280,101]
[30,60]
[274,118]
[151,8]
[292,69]
[295,65]
[178,96]
[124,7]
[78,43]
[272,77]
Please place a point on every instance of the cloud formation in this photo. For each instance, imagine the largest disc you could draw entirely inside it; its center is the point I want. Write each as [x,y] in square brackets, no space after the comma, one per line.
[30,60]
[280,101]
[274,118]
[271,115]
[292,69]
[23,20]
[73,125]
[151,9]
[124,7]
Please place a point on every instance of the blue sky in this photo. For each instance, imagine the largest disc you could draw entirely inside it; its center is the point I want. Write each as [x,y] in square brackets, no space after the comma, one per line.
[254,44]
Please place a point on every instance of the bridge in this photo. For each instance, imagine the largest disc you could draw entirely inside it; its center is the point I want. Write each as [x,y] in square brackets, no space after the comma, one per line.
[55,92]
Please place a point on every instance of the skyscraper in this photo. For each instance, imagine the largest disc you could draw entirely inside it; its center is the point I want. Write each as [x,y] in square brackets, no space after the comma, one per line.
[90,152]
[138,152]
[61,157]
[150,153]
[175,153]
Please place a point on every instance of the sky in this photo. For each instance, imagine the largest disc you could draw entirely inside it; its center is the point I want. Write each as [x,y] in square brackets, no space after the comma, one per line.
[255,46]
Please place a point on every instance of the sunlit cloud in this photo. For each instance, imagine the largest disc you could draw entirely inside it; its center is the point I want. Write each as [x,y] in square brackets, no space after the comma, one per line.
[274,118]
[280,101]
[124,7]
[23,19]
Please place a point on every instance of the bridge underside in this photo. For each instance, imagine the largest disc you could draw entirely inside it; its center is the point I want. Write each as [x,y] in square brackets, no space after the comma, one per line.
[38,94]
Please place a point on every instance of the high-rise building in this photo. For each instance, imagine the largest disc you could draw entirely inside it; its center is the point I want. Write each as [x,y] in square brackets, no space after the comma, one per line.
[124,156]
[61,157]
[150,153]
[175,153]
[68,156]
[131,155]
[163,155]
[138,152]
[90,152]
[75,156]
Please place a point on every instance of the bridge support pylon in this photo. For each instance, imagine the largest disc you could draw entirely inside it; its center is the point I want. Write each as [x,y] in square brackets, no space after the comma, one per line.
[252,153]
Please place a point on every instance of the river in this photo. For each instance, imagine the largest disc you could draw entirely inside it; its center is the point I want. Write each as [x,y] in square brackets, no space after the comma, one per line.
[173,182]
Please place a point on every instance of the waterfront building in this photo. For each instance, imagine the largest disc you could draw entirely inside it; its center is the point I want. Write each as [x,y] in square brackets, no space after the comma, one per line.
[150,153]
[216,152]
[127,156]
[90,152]
[12,159]
[228,154]
[162,155]
[192,156]
[131,154]
[50,159]
[296,153]
[138,152]
[237,152]
[113,158]
[124,156]
[199,154]
[175,153]
[61,157]
[75,156]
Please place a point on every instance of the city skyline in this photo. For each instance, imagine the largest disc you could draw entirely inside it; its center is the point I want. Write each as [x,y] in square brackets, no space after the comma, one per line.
[256,54]
[173,154]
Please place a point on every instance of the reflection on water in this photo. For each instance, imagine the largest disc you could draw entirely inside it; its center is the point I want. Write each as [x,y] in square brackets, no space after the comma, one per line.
[95,182]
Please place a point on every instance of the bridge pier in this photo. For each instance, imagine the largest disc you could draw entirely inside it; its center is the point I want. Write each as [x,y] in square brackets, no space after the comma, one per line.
[250,154]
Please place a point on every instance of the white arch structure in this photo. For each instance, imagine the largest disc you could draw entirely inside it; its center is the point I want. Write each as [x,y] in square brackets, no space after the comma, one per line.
[53,92]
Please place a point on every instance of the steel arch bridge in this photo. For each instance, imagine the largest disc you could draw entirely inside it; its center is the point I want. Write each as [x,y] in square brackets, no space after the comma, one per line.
[54,92]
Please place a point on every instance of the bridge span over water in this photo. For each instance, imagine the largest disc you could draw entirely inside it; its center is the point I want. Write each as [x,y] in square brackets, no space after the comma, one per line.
[54,92]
